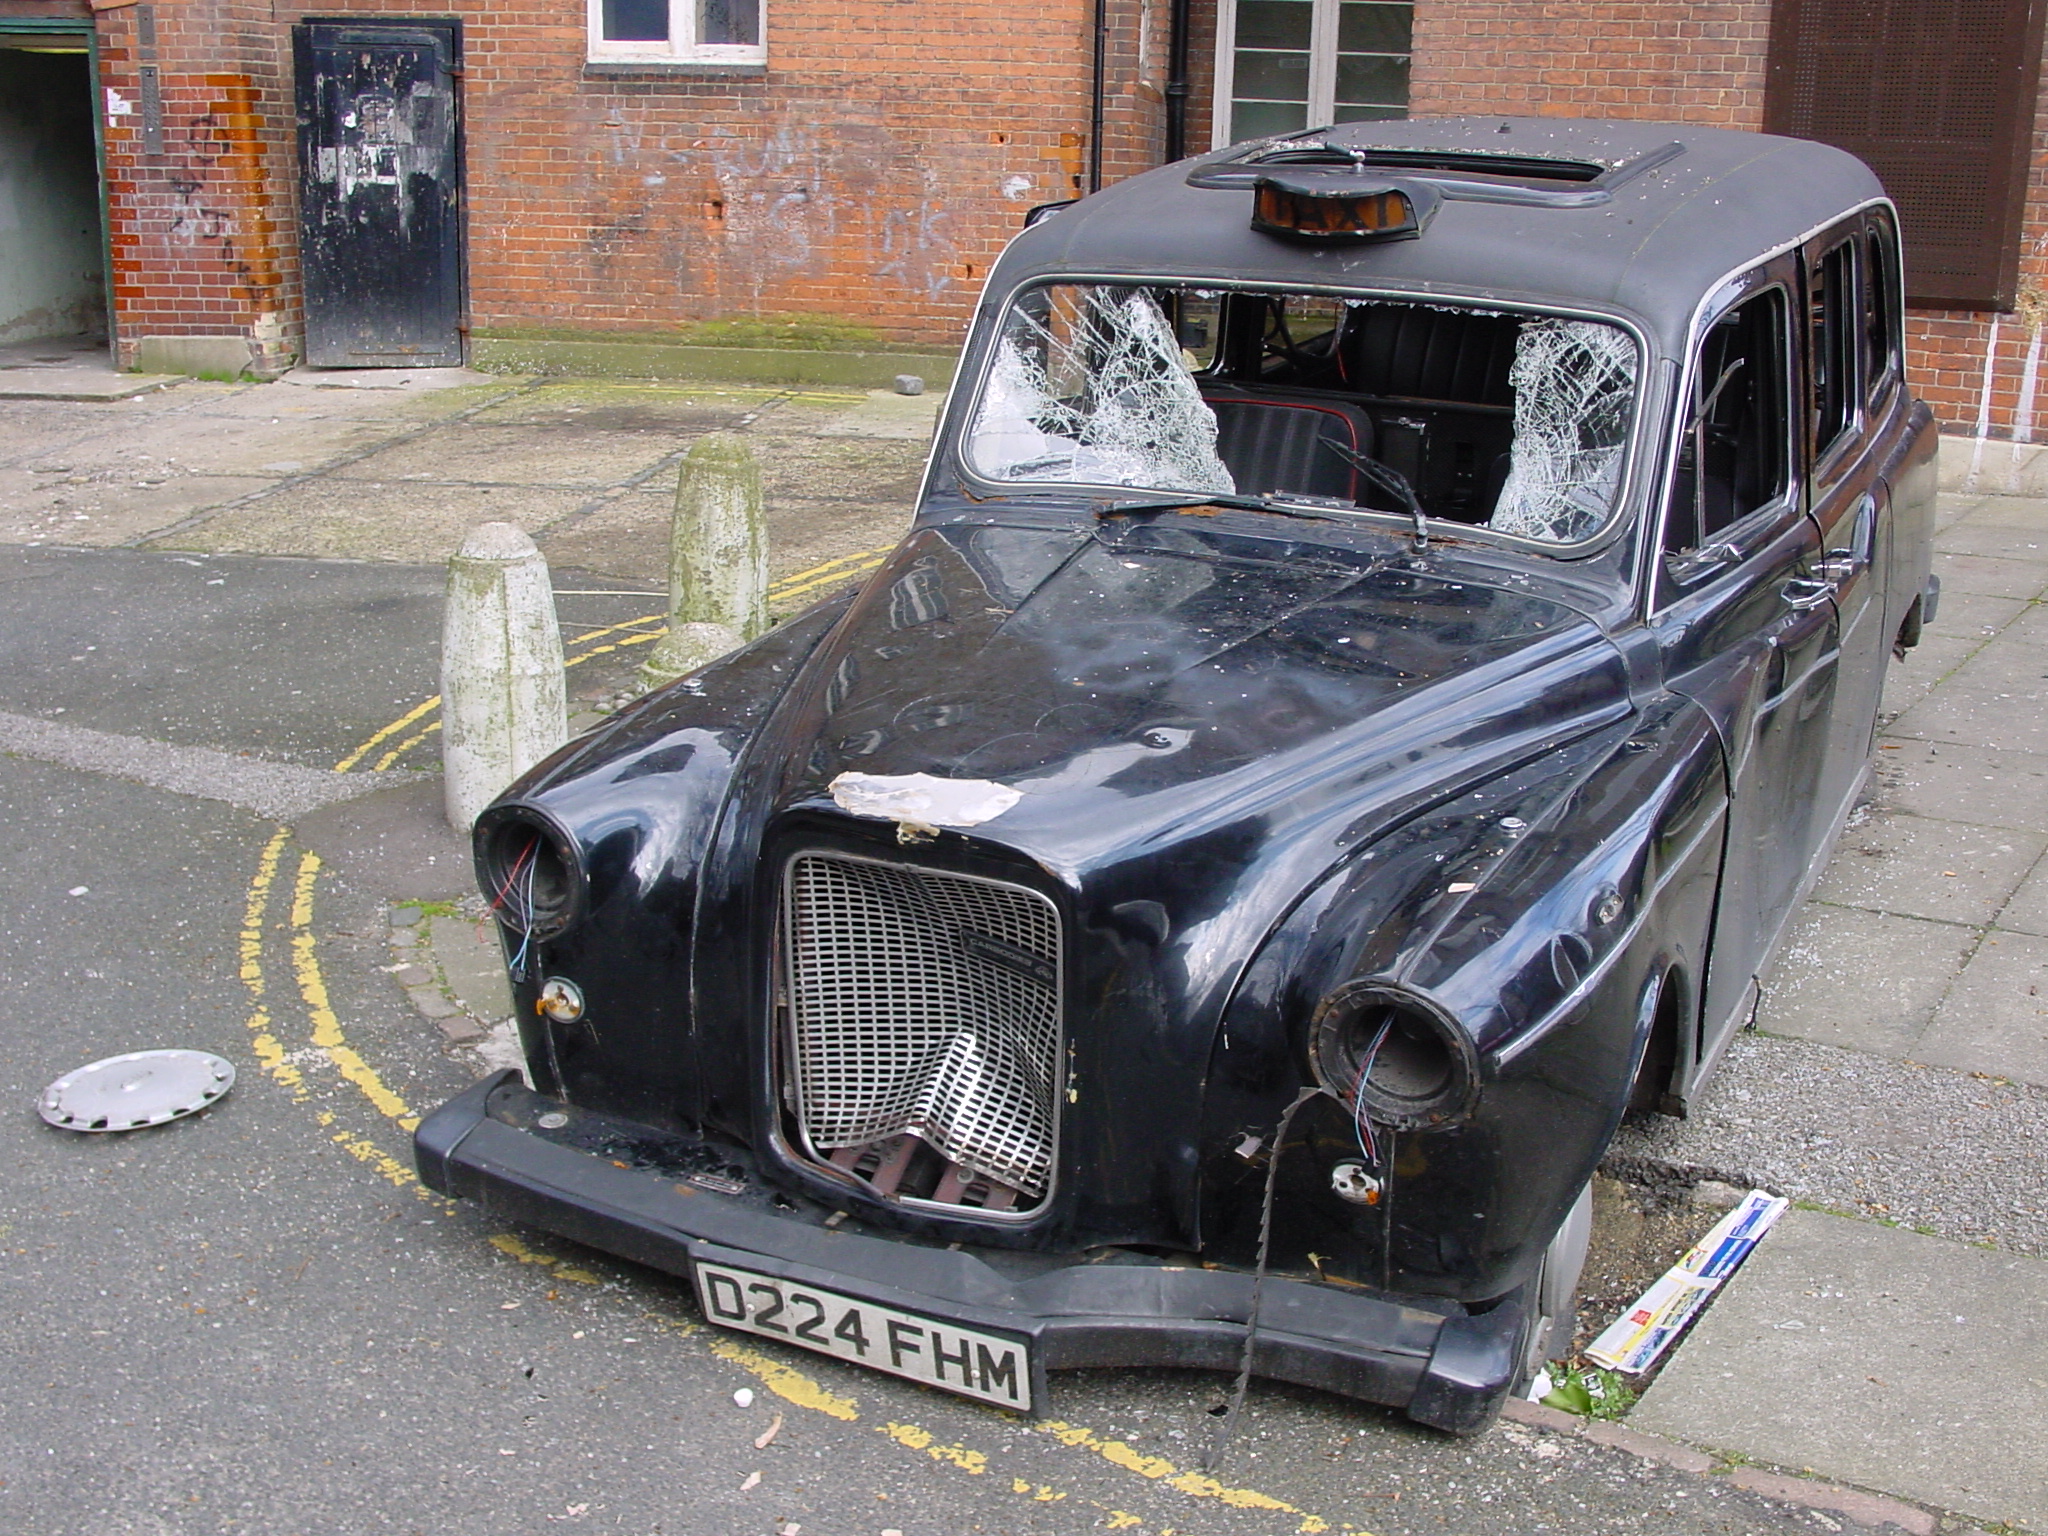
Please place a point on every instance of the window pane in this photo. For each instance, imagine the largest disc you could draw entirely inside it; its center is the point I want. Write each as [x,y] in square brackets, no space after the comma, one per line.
[729,21]
[1272,77]
[1732,459]
[1371,28]
[636,21]
[1273,23]
[1831,344]
[1878,318]
[1356,114]
[1365,79]
[1256,119]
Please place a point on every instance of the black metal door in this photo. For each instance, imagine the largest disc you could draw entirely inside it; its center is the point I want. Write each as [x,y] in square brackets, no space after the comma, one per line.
[380,229]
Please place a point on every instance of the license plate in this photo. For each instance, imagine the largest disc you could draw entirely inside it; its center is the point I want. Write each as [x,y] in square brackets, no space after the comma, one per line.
[987,1366]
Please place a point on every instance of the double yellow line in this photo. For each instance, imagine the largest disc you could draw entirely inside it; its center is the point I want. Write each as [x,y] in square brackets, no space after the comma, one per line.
[802,584]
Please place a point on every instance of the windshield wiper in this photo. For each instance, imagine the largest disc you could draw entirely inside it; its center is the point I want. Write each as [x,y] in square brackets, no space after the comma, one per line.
[1285,506]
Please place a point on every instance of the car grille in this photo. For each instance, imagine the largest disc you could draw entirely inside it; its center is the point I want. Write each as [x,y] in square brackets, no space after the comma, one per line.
[923,1002]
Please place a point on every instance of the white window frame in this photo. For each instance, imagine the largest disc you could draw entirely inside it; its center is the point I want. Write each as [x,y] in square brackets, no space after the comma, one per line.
[1322,68]
[679,47]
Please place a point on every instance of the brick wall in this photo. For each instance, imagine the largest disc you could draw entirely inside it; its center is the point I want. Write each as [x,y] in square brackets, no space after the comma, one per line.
[1696,61]
[868,176]
[201,233]
[1702,61]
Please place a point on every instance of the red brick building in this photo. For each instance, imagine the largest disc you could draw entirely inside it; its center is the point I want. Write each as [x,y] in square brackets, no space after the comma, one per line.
[841,172]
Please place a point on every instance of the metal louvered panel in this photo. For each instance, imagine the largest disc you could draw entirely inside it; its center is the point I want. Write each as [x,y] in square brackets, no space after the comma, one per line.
[1939,100]
[926,1002]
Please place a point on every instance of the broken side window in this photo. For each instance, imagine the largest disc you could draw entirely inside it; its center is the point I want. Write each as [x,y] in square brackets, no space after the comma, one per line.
[1574,383]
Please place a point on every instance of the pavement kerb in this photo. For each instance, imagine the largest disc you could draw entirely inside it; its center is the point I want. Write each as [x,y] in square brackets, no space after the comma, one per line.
[1866,1509]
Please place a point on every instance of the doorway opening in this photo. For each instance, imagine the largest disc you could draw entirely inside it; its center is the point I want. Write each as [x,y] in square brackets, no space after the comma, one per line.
[53,250]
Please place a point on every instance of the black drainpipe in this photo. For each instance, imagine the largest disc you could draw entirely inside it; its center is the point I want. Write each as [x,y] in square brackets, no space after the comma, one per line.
[1095,105]
[1177,83]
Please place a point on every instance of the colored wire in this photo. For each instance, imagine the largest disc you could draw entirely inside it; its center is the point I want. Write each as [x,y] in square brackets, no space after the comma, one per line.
[1368,1144]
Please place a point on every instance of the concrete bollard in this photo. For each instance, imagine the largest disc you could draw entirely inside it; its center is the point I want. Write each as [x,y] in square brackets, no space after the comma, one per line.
[718,560]
[504,704]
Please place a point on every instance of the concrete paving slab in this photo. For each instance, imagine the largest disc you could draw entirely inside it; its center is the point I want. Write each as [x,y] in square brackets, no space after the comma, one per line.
[1865,980]
[1879,1357]
[2022,542]
[2007,512]
[886,414]
[2027,912]
[2030,625]
[1907,682]
[627,536]
[181,444]
[81,385]
[2000,665]
[1995,1018]
[627,407]
[859,469]
[472,964]
[371,520]
[98,510]
[470,454]
[1952,507]
[1990,576]
[415,379]
[1983,786]
[1918,867]
[1937,1150]
[2001,718]
[1974,615]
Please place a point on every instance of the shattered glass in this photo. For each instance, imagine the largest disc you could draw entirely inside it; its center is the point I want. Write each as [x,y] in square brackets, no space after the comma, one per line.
[1090,384]
[1574,383]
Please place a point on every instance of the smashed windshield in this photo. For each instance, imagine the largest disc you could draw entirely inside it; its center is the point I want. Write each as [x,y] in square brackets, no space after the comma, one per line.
[1513,422]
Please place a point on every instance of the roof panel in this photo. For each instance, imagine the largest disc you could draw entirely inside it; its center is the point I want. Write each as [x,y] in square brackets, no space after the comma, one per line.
[1651,247]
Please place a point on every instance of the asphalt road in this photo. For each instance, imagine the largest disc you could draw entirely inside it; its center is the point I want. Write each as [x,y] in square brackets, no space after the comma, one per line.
[255,1320]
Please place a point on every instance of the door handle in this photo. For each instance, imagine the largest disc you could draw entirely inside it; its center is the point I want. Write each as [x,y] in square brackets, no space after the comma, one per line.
[1802,593]
[1837,566]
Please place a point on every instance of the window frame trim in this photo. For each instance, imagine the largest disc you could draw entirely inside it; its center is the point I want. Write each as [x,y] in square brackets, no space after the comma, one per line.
[655,54]
[1322,69]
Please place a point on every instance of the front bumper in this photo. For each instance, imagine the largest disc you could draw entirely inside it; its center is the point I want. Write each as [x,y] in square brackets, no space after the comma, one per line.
[1446,1368]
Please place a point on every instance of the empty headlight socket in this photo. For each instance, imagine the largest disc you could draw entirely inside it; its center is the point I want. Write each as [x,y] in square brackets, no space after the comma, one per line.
[1426,1072]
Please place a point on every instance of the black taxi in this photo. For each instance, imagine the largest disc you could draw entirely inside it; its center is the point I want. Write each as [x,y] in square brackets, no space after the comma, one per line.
[1394,619]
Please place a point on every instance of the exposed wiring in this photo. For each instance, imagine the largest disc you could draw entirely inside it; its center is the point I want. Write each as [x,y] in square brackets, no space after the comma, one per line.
[1214,1454]
[526,926]
[505,885]
[1368,1144]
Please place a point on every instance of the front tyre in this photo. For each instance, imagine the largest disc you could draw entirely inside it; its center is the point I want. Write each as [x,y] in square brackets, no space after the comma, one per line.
[1554,1307]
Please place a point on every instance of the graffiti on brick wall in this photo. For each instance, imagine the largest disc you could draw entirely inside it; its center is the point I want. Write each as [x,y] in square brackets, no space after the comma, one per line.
[799,201]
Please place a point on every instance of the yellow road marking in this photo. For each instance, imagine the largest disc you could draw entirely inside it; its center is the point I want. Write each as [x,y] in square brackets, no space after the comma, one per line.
[512,1248]
[404,747]
[792,1386]
[921,1440]
[327,1031]
[369,1153]
[797,590]
[250,952]
[389,731]
[1159,1469]
[825,574]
